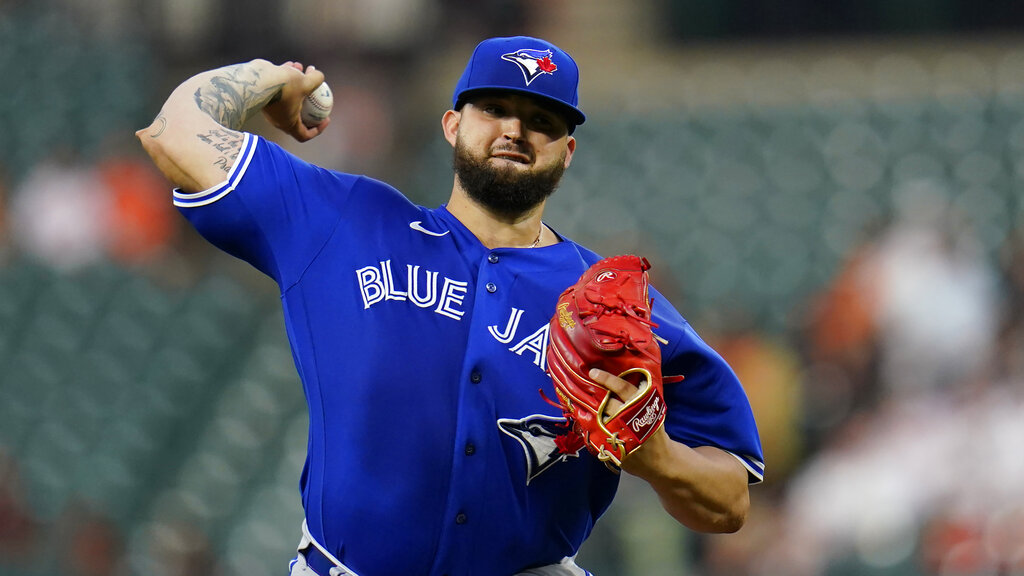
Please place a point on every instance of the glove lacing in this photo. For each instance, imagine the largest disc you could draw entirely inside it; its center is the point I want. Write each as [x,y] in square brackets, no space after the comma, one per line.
[604,305]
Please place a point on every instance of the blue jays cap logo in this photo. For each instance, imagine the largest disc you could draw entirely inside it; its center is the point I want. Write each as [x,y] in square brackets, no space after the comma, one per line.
[488,69]
[533,63]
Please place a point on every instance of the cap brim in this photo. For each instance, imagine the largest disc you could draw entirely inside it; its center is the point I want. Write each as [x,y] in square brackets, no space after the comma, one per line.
[573,115]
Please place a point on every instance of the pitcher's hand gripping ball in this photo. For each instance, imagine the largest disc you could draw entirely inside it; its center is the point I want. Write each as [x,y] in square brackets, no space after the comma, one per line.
[604,321]
[317,106]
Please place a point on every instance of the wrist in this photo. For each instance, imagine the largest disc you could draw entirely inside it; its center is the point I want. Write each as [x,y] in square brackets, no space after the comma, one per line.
[233,94]
[647,460]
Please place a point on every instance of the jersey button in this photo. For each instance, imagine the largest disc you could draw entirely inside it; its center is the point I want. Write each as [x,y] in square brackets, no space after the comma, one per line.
[492,258]
[491,287]
[470,449]
[475,377]
[460,518]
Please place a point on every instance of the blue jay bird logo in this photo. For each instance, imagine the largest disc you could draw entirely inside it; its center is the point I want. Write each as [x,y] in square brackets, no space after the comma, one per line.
[546,441]
[533,63]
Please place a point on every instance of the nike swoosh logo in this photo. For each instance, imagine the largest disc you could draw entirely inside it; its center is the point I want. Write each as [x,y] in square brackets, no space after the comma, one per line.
[417,225]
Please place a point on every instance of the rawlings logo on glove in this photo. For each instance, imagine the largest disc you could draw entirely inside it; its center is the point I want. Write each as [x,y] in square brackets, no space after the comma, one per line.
[604,321]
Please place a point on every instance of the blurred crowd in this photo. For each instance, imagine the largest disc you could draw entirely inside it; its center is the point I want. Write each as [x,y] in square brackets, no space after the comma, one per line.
[889,412]
[70,214]
[891,421]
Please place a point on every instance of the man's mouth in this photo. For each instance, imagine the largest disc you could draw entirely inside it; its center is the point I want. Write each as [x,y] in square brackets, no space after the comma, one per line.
[512,156]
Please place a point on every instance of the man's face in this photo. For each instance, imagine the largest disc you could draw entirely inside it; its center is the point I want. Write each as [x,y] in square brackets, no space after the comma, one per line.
[510,152]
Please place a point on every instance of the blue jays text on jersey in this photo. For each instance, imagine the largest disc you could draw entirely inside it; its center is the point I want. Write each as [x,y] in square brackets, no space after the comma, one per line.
[421,353]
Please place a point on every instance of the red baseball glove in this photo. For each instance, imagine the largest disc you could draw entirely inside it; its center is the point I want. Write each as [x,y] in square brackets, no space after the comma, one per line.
[604,321]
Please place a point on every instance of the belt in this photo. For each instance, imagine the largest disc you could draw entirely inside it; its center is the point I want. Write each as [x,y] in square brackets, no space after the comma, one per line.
[319,559]
[323,563]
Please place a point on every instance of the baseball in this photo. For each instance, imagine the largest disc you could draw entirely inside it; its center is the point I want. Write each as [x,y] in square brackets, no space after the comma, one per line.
[317,106]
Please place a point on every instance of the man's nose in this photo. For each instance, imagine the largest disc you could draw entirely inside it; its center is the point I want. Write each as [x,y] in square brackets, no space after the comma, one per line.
[512,128]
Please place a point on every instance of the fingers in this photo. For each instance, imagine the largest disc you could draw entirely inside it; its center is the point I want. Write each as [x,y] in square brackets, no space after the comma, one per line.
[306,133]
[314,77]
[622,391]
[284,112]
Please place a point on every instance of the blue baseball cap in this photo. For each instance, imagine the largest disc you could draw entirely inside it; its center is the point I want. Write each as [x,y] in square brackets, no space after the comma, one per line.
[524,65]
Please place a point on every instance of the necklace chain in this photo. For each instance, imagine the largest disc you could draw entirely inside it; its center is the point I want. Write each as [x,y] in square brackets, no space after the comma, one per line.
[537,241]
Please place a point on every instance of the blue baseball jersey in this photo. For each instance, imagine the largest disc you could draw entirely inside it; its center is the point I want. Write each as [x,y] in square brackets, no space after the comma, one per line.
[421,353]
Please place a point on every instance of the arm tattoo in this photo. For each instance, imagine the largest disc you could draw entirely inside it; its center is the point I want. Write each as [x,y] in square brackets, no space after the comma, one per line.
[232,96]
[227,142]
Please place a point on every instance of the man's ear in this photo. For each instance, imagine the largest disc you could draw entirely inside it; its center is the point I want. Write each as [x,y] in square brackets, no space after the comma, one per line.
[450,125]
[570,149]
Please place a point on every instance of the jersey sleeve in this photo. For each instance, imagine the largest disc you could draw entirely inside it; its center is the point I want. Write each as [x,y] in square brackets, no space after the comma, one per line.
[709,406]
[273,210]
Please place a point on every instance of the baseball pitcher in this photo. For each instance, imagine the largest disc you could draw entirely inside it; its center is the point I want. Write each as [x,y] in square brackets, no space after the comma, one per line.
[476,380]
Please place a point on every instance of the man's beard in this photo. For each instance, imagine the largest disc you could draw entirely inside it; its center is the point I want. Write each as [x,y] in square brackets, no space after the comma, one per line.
[505,190]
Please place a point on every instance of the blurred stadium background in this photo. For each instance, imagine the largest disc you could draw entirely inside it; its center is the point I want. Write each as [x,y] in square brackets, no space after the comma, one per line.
[831,193]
